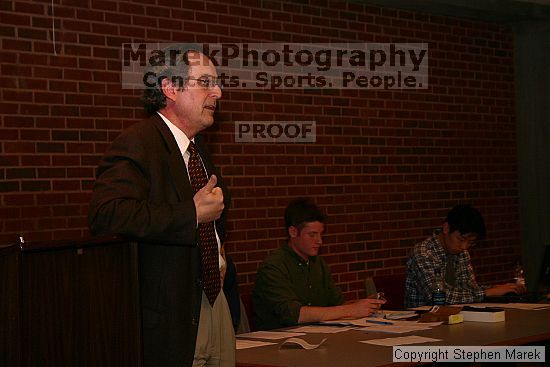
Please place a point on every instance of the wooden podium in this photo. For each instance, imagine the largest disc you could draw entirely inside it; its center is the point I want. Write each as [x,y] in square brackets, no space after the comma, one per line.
[70,304]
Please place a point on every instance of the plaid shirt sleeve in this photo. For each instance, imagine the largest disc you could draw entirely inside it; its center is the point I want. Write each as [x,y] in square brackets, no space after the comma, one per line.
[421,280]
[466,290]
[421,274]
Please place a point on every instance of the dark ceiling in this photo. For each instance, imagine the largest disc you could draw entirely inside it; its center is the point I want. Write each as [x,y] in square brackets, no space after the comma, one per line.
[502,11]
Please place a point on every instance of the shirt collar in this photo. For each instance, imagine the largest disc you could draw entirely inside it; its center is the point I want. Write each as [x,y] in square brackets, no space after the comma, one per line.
[287,248]
[437,245]
[181,139]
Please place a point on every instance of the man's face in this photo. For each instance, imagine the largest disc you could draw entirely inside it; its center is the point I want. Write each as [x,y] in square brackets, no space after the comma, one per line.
[456,242]
[195,103]
[306,242]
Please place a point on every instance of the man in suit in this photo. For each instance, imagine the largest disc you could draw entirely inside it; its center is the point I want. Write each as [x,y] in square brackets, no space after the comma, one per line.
[146,189]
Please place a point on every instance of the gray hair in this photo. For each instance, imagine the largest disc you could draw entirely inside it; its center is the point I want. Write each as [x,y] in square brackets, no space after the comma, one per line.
[173,63]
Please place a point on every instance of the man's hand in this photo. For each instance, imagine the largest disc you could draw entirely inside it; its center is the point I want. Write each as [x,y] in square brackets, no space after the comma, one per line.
[209,201]
[355,309]
[364,307]
[501,289]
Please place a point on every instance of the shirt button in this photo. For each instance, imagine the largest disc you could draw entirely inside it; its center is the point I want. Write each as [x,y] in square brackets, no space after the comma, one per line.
[309,287]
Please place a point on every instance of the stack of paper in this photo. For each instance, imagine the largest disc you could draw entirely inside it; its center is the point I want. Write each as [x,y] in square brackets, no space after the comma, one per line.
[483,314]
[395,315]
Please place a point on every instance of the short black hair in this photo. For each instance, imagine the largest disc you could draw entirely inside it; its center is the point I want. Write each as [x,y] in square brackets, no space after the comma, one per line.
[301,211]
[466,219]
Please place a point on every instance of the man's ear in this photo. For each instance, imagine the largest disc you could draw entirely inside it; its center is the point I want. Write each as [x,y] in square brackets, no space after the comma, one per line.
[446,228]
[293,231]
[169,89]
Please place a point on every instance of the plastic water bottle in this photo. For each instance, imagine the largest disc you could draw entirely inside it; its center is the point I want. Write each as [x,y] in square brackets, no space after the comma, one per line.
[519,275]
[438,294]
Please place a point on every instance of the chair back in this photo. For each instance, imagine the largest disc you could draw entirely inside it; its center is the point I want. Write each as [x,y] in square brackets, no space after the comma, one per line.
[246,300]
[393,287]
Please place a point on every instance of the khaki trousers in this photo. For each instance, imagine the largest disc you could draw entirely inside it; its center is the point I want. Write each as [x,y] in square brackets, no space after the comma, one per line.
[215,345]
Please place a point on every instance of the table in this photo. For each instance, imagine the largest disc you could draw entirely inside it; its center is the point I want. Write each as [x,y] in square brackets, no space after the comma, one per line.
[344,349]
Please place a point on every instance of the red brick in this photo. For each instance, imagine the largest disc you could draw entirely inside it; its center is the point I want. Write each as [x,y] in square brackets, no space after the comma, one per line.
[18,199]
[86,87]
[50,122]
[79,99]
[50,147]
[43,72]
[77,25]
[14,19]
[62,86]
[35,134]
[386,164]
[65,160]
[36,185]
[65,185]
[48,97]
[105,5]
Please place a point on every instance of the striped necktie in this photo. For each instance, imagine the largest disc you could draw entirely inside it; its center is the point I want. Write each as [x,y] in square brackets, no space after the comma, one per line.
[208,245]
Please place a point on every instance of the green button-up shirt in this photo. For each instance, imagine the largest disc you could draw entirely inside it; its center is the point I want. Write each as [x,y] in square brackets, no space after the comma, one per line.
[285,283]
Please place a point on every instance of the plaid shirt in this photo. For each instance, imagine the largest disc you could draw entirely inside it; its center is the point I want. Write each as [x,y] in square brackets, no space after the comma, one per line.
[429,256]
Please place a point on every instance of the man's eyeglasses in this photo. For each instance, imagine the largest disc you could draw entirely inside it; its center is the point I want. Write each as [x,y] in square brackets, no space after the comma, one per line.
[208,82]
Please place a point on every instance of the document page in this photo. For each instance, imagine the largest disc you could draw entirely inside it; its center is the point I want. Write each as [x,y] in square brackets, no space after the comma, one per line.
[401,340]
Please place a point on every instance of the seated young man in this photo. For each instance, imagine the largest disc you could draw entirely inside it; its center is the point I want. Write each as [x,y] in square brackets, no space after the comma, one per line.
[294,285]
[445,254]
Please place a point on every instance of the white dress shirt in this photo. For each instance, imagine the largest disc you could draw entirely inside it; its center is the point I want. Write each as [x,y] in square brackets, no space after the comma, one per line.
[183,143]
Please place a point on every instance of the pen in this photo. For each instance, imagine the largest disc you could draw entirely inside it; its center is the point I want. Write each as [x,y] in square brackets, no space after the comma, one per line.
[379,322]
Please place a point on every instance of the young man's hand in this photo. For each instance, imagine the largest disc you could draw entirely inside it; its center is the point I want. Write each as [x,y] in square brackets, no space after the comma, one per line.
[502,289]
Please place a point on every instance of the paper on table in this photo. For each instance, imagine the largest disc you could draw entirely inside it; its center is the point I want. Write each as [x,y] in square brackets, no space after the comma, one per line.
[322,329]
[421,308]
[401,340]
[300,343]
[375,320]
[244,344]
[357,322]
[519,306]
[529,306]
[400,315]
[394,329]
[335,323]
[394,315]
[270,335]
[370,321]
[409,323]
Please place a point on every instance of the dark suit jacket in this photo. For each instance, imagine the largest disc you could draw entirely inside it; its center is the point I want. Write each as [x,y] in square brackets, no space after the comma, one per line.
[143,191]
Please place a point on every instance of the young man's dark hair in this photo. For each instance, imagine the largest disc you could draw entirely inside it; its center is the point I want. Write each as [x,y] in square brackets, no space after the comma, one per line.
[301,211]
[466,219]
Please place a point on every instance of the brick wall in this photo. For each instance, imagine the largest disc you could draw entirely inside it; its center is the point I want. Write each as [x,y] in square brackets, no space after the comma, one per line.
[386,165]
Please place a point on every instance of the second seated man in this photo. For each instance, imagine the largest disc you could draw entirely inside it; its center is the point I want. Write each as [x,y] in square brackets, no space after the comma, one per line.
[445,255]
[294,285]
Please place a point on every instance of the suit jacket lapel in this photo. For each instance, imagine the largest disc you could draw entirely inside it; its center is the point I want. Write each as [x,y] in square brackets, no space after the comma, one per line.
[176,165]
[178,169]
